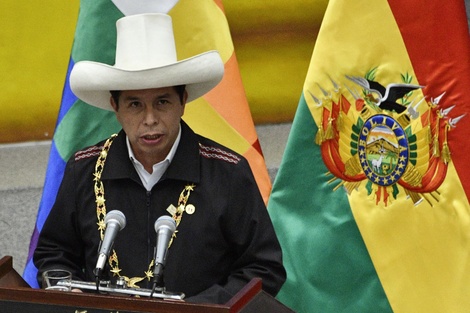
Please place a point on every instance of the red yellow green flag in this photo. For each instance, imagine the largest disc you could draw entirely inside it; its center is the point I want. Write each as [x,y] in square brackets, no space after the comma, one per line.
[371,202]
[226,106]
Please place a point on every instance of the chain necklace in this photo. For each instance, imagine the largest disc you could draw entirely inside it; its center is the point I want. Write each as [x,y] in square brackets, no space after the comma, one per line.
[176,212]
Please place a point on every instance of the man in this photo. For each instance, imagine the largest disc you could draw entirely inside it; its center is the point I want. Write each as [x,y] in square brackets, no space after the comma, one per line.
[158,166]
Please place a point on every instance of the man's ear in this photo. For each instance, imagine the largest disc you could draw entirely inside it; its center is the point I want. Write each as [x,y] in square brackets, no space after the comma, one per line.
[113,104]
[183,103]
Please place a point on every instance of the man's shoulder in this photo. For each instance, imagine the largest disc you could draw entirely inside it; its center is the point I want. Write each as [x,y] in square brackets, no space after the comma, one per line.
[210,149]
[92,152]
[88,152]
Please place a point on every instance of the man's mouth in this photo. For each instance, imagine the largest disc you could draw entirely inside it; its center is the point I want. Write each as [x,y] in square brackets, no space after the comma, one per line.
[151,137]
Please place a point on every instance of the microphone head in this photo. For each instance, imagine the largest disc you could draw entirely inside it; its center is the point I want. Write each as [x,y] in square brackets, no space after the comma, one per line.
[117,217]
[165,221]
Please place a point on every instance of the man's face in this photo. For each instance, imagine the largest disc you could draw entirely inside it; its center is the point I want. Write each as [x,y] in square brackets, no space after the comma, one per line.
[151,119]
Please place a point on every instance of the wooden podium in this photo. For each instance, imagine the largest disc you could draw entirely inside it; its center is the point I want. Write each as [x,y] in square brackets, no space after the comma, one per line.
[16,296]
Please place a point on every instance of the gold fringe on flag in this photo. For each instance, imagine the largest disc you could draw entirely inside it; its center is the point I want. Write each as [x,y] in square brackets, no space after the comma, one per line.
[445,148]
[339,119]
[436,151]
[319,137]
[329,133]
[435,147]
[445,153]
[429,135]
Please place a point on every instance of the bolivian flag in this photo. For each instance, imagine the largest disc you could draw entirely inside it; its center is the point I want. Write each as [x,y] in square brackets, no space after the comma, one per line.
[222,115]
[371,202]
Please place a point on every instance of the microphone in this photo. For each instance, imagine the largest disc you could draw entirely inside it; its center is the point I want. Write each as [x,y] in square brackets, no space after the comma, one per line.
[165,227]
[115,221]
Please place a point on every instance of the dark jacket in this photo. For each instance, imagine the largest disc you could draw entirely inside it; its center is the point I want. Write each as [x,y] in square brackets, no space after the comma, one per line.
[227,241]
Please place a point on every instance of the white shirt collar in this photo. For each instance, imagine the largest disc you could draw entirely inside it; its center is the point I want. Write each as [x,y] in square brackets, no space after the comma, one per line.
[149,180]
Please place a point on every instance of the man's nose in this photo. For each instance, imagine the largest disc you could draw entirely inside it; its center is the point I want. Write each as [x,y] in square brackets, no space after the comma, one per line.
[151,116]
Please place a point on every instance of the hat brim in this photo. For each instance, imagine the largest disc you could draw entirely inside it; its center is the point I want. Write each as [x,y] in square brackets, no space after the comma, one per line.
[92,81]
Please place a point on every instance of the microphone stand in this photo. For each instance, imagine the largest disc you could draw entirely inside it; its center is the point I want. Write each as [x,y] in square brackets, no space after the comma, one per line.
[97,282]
[97,273]
[158,278]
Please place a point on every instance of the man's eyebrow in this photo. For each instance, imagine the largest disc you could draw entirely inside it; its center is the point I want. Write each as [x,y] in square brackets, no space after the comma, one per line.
[165,95]
[131,97]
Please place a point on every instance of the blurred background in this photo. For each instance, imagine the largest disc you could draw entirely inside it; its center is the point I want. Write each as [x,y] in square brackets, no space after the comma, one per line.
[273,42]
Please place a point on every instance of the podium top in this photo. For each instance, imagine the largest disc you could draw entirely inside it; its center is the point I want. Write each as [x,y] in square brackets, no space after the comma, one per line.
[17,296]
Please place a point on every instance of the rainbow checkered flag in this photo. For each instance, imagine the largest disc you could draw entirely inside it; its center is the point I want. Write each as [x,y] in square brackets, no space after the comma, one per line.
[371,202]
[222,115]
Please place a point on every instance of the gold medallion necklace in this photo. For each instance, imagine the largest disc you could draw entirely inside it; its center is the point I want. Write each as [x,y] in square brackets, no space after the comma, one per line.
[176,212]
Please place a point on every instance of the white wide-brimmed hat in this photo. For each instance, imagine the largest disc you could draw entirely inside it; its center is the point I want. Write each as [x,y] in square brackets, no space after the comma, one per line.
[145,58]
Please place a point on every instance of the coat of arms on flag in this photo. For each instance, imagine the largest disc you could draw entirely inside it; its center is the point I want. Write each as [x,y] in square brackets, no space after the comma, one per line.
[385,99]
[392,136]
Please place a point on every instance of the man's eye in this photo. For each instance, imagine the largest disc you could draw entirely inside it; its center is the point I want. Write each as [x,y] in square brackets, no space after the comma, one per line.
[134,104]
[163,101]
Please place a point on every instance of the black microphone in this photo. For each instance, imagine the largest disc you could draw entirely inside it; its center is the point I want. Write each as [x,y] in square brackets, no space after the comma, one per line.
[115,221]
[165,227]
